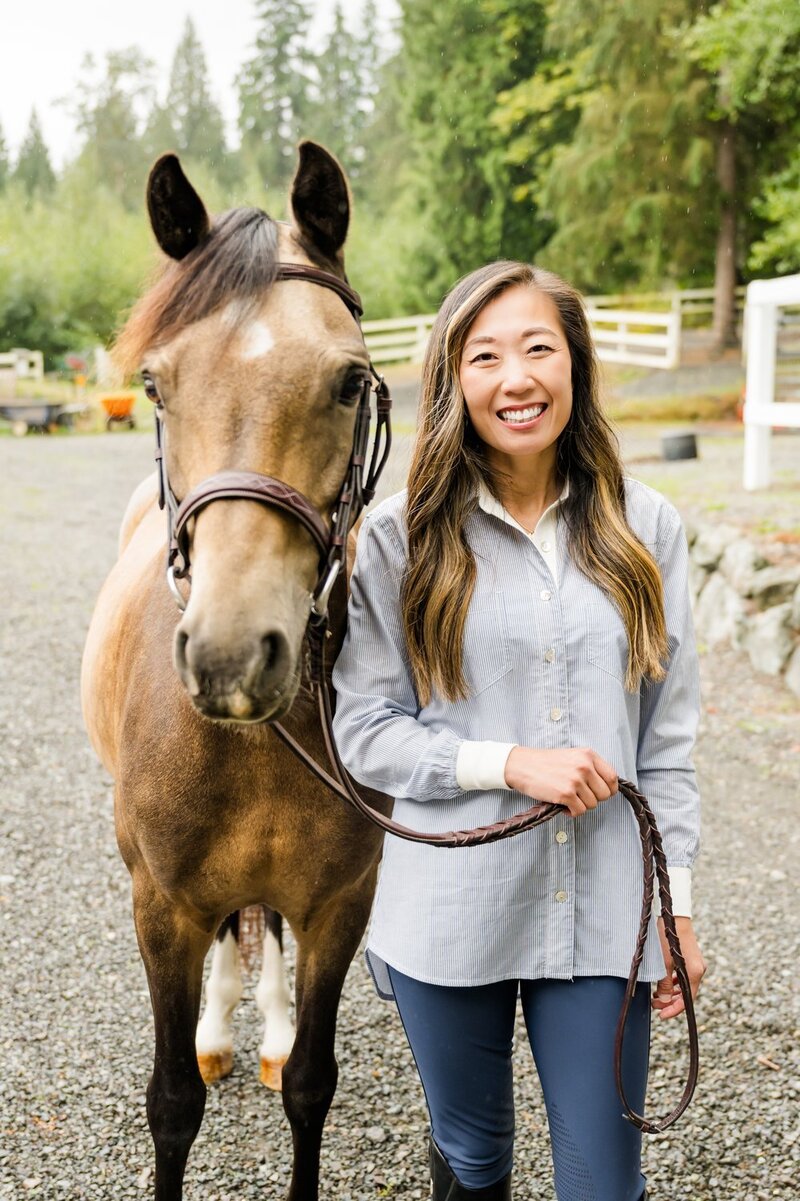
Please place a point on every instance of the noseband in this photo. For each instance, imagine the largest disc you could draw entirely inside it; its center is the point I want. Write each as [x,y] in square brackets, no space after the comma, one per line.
[356,490]
[331,542]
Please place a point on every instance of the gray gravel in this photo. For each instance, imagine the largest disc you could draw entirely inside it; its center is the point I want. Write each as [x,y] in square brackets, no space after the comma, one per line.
[75,1027]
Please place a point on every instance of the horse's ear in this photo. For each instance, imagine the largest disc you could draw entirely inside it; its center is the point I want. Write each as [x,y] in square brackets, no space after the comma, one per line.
[177,214]
[320,199]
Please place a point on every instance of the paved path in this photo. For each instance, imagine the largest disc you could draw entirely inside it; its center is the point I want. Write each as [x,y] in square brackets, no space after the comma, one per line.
[75,1027]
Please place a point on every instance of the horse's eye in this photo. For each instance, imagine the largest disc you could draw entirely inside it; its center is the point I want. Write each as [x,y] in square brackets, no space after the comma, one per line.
[150,388]
[352,388]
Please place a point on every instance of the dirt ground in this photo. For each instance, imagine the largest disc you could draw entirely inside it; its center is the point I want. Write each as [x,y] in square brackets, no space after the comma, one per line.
[75,1027]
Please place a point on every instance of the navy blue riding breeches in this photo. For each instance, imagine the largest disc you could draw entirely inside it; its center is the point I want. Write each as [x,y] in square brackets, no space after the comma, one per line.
[461,1039]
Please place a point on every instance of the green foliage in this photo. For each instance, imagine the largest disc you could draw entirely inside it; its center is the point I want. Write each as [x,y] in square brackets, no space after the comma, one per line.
[110,109]
[33,170]
[194,117]
[461,192]
[273,89]
[5,164]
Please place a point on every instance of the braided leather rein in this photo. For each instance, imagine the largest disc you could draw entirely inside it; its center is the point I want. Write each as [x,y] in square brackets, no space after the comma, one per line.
[331,542]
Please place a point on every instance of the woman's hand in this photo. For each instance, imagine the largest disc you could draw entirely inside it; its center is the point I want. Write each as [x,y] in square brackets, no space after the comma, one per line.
[576,777]
[667,996]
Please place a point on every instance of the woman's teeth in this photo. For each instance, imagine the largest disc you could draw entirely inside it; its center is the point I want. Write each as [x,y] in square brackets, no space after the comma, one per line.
[518,416]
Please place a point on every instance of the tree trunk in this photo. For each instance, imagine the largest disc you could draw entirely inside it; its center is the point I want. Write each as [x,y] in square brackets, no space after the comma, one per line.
[724,324]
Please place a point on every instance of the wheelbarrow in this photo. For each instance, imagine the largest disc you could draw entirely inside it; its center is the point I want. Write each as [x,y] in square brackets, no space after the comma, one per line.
[119,410]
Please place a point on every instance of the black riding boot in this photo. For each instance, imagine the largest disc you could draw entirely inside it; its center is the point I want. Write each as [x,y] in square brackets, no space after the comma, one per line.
[447,1188]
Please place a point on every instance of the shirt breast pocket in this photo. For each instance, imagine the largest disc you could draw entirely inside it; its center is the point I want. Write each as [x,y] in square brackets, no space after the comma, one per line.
[606,639]
[487,657]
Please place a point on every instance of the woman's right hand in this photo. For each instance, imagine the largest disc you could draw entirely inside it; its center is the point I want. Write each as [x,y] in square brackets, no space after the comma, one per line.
[576,777]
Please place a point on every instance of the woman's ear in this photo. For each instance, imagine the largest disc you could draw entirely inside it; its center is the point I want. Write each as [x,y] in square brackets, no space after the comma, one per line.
[177,214]
[320,200]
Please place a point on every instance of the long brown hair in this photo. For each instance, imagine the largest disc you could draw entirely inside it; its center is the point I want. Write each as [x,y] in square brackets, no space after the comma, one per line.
[450,462]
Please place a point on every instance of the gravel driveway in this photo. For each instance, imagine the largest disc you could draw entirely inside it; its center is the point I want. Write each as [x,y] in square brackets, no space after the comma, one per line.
[75,1026]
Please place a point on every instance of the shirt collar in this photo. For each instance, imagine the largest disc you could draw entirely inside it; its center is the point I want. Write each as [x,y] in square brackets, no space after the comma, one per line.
[490,504]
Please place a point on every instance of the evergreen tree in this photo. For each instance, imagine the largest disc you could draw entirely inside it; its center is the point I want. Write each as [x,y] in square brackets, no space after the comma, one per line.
[5,165]
[619,149]
[751,51]
[273,89]
[195,118]
[33,169]
[336,118]
[462,193]
[110,112]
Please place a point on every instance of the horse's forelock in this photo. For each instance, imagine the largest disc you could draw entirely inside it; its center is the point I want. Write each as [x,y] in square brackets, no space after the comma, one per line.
[237,261]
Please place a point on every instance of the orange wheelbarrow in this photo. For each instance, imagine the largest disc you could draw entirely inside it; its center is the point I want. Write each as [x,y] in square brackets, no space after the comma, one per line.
[119,409]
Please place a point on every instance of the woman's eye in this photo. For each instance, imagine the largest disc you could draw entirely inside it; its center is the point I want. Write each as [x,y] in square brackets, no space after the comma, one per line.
[352,388]
[150,388]
[484,357]
[540,347]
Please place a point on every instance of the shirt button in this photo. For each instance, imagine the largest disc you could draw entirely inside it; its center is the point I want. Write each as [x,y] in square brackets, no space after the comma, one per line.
[545,594]
[550,655]
[562,836]
[561,896]
[556,714]
[545,545]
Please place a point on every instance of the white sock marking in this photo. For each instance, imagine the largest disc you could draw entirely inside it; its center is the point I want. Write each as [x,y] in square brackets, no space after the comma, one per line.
[272,998]
[223,993]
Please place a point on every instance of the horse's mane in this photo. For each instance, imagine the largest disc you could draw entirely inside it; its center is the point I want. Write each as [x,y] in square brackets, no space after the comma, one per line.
[235,262]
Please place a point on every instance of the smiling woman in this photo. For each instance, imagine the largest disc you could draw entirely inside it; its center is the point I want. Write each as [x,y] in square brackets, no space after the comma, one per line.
[519,626]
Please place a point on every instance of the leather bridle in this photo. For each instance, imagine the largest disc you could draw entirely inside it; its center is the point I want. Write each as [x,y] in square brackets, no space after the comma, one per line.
[331,540]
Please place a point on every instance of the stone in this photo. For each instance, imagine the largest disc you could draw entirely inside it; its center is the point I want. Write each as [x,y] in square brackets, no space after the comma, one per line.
[774,585]
[739,563]
[792,676]
[794,617]
[719,614]
[697,580]
[769,641]
[711,543]
[691,529]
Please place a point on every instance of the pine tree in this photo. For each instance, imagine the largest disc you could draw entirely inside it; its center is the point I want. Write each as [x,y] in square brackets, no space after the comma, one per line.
[274,89]
[195,118]
[455,59]
[336,118]
[109,112]
[5,164]
[33,169]
[619,150]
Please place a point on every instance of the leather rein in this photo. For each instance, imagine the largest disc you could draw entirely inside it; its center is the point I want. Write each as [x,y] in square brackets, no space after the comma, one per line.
[357,490]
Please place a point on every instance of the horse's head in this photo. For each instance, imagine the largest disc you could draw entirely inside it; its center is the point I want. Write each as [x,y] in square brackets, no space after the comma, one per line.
[254,376]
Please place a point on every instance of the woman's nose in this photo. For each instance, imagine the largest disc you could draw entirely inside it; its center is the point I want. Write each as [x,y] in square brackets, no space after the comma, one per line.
[518,378]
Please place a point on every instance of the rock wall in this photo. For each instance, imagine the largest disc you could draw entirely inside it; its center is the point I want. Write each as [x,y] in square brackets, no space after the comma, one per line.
[738,597]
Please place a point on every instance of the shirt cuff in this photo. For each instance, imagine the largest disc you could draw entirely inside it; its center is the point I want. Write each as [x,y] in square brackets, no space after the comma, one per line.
[680,889]
[480,766]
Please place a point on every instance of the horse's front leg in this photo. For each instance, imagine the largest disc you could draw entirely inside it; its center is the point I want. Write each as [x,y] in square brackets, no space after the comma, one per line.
[324,954]
[173,949]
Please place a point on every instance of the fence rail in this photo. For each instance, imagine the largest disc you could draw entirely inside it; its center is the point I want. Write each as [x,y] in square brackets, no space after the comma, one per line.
[646,339]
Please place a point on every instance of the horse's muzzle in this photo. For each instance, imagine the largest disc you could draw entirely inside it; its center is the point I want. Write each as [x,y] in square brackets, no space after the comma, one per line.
[254,682]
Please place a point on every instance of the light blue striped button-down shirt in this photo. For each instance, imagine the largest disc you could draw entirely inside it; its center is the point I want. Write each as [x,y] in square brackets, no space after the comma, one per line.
[545,658]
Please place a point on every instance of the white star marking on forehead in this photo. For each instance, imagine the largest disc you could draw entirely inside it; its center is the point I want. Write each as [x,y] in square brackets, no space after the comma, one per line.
[256,340]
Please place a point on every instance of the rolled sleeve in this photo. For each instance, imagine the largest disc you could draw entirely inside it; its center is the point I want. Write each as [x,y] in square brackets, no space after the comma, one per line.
[382,740]
[669,715]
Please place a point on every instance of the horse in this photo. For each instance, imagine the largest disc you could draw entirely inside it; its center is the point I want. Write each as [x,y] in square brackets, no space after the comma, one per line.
[254,368]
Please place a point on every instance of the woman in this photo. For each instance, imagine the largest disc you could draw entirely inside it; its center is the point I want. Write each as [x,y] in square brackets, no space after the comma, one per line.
[520,628]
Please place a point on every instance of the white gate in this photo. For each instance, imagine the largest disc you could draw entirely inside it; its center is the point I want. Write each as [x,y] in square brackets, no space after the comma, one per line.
[771,318]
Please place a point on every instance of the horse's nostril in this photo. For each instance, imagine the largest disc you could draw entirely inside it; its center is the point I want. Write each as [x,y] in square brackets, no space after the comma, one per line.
[271,646]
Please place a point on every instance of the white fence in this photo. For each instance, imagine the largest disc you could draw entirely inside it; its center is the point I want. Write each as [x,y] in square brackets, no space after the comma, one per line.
[773,358]
[19,364]
[621,336]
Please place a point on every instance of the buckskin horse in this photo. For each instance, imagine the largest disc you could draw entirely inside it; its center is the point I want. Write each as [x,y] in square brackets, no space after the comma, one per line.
[250,348]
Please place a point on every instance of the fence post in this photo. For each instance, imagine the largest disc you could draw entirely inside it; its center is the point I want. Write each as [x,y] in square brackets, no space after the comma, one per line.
[762,328]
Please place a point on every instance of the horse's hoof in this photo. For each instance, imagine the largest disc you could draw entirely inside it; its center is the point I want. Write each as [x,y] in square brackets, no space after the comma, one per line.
[271,1070]
[216,1065]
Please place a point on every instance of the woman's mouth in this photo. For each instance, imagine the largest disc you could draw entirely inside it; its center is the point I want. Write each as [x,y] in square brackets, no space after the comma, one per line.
[522,418]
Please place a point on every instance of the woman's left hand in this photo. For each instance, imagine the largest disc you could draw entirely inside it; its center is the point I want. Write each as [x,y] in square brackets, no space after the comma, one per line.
[667,997]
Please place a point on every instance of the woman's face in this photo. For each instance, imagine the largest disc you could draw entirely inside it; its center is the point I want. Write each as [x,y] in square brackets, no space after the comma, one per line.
[516,376]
